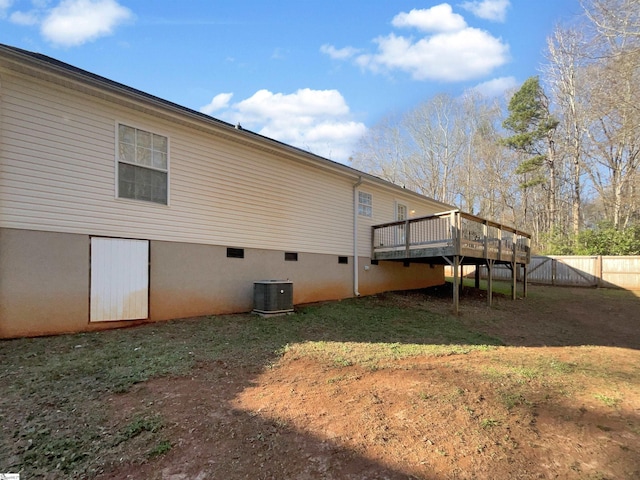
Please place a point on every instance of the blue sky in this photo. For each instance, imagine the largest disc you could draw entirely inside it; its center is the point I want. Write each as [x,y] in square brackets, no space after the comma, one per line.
[312,73]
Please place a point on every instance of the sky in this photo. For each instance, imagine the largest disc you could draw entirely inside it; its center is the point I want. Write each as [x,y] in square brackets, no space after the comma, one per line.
[316,74]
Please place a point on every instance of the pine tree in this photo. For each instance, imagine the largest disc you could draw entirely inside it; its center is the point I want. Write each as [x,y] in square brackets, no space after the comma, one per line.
[533,129]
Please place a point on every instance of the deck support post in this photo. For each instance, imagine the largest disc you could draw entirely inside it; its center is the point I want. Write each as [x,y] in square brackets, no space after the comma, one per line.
[490,281]
[524,280]
[514,267]
[477,276]
[456,280]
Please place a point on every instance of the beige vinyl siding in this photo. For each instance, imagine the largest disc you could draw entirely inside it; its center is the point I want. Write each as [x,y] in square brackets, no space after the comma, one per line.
[276,200]
[58,174]
[384,210]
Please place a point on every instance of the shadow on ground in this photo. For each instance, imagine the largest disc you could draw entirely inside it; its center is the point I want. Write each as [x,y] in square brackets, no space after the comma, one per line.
[250,402]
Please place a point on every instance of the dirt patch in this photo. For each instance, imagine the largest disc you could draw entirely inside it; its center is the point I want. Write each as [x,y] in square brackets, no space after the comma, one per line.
[561,399]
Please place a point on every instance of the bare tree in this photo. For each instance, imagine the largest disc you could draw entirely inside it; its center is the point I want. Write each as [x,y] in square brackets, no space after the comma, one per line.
[437,143]
[383,150]
[614,131]
[447,148]
[485,184]
[564,68]
[614,114]
[616,20]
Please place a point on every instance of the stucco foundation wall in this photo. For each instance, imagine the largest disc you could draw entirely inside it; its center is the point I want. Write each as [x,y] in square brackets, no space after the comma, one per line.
[45,280]
[390,276]
[44,284]
[190,280]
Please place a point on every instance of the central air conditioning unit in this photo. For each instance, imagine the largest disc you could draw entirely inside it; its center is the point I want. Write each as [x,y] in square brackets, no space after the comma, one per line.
[273,297]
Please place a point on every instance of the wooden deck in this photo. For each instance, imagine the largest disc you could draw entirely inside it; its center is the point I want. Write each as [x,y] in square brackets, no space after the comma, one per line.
[454,238]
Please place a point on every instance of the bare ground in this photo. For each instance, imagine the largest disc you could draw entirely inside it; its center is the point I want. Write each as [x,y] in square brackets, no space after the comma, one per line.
[561,399]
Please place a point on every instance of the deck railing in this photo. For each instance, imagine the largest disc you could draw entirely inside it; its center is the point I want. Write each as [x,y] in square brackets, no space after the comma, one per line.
[450,233]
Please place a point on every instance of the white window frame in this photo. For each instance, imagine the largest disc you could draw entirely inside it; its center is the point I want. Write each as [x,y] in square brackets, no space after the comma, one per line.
[119,161]
[365,204]
[406,210]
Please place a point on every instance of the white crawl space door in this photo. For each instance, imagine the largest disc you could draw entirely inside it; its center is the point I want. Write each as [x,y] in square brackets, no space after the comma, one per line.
[119,279]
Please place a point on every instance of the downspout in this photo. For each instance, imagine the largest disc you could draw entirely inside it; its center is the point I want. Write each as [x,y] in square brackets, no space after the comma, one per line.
[356,293]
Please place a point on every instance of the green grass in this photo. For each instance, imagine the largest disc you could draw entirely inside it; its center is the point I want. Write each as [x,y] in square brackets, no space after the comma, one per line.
[488,423]
[141,424]
[160,449]
[371,335]
[499,286]
[56,422]
[54,387]
[607,400]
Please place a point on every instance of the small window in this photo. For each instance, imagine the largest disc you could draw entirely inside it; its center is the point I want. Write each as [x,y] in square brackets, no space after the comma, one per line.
[365,204]
[291,256]
[235,252]
[401,212]
[343,260]
[142,165]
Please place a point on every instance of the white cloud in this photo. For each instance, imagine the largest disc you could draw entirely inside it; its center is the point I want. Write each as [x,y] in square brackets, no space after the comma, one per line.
[449,51]
[218,102]
[305,102]
[24,18]
[495,10]
[435,19]
[456,56]
[74,22]
[4,6]
[339,53]
[316,120]
[496,87]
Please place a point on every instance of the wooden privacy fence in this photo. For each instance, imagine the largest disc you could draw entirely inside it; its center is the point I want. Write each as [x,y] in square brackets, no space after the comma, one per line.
[578,271]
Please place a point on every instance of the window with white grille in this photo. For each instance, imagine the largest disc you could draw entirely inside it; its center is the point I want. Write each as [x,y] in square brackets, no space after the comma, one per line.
[142,165]
[365,204]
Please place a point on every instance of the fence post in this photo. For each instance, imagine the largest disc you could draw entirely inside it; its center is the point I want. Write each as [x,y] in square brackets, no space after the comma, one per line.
[514,273]
[599,279]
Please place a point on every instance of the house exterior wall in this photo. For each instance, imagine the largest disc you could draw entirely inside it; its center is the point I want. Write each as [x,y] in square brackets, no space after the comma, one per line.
[384,210]
[192,280]
[58,174]
[58,167]
[45,280]
[42,303]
